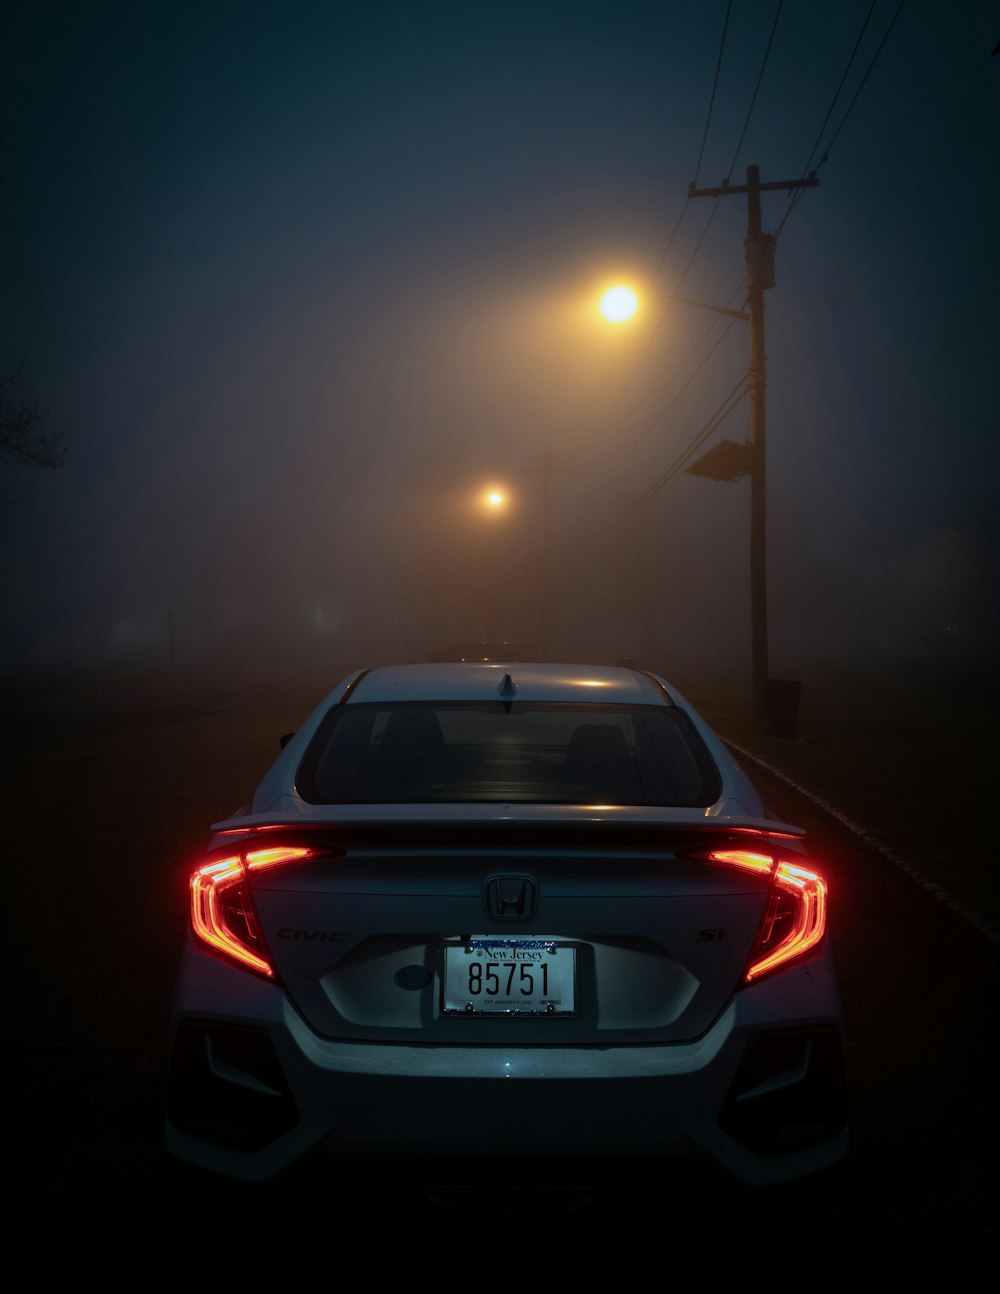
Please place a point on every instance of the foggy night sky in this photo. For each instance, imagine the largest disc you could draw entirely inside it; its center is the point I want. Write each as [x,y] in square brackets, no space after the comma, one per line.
[295,282]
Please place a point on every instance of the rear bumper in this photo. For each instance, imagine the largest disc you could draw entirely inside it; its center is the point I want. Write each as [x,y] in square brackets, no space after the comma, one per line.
[761,1095]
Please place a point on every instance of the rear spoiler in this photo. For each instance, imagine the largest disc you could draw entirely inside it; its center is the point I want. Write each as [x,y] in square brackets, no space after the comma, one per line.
[593,822]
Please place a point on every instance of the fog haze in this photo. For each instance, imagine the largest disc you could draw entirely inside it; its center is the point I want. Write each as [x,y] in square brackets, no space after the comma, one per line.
[297,283]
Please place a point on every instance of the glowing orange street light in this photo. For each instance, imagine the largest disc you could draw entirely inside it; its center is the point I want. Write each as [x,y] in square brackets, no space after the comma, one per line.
[619,304]
[491,507]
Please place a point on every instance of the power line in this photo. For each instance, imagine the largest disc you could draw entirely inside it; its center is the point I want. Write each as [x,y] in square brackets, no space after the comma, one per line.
[711,217]
[704,232]
[683,211]
[857,92]
[844,76]
[746,124]
[753,100]
[793,200]
[680,218]
[705,229]
[731,401]
[715,86]
[697,248]
[704,140]
[797,195]
[680,390]
[761,74]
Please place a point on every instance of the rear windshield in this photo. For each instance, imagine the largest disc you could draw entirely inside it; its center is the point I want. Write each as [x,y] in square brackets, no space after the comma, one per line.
[516,752]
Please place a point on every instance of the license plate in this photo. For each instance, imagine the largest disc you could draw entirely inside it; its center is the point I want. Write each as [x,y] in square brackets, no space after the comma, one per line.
[509,977]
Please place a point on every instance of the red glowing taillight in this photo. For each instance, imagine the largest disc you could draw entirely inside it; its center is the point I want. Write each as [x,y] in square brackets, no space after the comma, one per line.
[795,916]
[222,909]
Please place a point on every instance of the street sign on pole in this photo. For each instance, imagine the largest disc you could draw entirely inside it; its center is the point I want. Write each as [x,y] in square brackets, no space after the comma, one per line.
[726,461]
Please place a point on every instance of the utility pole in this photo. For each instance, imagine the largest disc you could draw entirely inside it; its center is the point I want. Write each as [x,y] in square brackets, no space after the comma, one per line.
[545,465]
[760,275]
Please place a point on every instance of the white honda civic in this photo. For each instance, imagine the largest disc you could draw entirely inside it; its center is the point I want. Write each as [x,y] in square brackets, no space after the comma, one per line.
[505,911]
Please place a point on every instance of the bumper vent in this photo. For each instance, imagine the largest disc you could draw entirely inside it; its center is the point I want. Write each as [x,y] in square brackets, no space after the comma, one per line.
[789,1092]
[226,1086]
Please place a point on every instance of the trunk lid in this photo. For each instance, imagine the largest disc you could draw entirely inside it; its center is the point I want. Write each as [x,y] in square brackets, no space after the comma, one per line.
[644,940]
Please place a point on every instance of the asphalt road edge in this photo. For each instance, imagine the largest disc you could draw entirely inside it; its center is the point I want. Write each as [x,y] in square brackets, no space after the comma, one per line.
[877,848]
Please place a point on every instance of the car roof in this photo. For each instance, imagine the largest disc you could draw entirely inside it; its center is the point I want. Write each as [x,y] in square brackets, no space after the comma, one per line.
[485,681]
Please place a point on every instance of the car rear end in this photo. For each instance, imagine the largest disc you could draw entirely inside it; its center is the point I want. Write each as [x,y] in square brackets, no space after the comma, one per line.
[511,977]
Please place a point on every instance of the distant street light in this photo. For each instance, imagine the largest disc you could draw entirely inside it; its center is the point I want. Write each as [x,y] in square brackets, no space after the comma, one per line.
[491,507]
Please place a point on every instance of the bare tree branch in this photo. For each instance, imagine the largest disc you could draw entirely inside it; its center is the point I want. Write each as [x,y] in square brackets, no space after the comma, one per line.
[21,435]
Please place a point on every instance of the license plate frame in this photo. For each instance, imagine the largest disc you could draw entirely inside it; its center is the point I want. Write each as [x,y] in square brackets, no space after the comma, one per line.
[490,976]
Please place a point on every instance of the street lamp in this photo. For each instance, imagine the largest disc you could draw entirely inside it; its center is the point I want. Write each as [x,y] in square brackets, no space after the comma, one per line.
[755,459]
[759,248]
[619,304]
[491,505]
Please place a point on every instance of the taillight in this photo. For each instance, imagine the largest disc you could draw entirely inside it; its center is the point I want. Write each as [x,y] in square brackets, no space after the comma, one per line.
[795,916]
[222,908]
